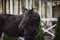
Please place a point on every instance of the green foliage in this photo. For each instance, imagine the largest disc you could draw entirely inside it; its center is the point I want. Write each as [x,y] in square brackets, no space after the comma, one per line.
[57,29]
[7,37]
[40,34]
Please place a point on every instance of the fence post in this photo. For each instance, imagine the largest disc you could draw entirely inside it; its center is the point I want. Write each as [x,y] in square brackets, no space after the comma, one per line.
[11,6]
[20,8]
[26,3]
[39,11]
[30,6]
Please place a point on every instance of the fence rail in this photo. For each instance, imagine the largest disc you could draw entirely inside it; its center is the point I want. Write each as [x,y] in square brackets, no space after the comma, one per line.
[51,27]
[49,19]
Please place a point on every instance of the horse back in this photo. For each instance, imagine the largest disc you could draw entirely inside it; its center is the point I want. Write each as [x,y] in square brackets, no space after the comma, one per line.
[9,23]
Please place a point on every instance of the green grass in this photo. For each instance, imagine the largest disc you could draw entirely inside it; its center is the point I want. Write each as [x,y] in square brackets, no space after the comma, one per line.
[7,37]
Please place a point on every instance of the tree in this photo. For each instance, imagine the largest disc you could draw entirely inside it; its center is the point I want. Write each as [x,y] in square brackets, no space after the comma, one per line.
[57,29]
[40,34]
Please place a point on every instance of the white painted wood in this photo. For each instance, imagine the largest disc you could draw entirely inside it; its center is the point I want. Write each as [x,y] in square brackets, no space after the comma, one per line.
[48,32]
[11,6]
[51,27]
[15,7]
[7,7]
[20,8]
[0,6]
[26,4]
[21,38]
[49,11]
[49,19]
[30,4]
[43,10]
[39,11]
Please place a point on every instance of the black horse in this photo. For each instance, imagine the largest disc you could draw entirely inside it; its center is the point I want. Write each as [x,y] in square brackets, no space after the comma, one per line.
[20,25]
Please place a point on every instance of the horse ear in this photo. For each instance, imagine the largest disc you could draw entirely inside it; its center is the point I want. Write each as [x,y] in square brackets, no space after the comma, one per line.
[31,11]
[25,9]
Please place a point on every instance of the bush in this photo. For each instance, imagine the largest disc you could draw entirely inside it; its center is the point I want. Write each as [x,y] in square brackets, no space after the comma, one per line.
[7,37]
[57,29]
[40,34]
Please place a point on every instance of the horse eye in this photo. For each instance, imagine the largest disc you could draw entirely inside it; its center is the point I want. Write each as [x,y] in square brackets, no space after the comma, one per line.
[34,16]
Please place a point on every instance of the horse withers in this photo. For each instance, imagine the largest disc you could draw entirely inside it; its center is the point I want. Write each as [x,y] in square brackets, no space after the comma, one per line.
[20,25]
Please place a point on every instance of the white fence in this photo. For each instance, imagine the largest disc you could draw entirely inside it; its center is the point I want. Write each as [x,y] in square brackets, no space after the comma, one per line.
[52,26]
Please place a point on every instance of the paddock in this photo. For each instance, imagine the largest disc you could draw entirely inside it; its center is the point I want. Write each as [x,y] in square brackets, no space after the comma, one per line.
[47,9]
